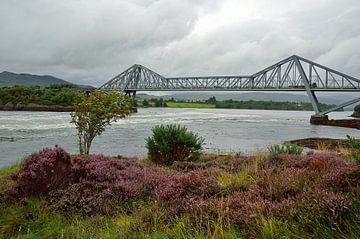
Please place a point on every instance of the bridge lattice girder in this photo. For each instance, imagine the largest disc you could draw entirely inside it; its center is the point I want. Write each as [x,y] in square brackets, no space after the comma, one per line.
[291,74]
[284,75]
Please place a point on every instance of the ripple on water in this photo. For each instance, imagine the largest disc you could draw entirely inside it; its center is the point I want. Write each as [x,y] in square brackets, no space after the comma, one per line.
[224,130]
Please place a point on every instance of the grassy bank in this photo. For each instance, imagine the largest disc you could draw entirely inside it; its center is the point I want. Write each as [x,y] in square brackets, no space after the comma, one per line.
[189,105]
[221,196]
[230,104]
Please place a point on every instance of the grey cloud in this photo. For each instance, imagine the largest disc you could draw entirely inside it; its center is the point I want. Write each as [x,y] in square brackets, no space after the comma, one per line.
[326,32]
[89,41]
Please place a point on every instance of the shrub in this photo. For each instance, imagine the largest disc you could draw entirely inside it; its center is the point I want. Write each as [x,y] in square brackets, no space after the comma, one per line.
[355,145]
[43,171]
[286,148]
[171,143]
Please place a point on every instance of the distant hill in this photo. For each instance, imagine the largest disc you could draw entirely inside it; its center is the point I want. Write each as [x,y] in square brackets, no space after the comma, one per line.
[10,79]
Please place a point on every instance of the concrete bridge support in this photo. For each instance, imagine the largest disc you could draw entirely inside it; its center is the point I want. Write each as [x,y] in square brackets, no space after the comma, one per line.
[132,94]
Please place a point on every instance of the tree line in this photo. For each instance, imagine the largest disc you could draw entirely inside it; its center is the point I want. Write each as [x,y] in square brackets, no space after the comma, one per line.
[58,94]
[268,105]
[65,94]
[234,104]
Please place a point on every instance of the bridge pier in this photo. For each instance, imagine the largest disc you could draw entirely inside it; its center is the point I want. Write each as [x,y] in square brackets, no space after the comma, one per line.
[319,119]
[132,93]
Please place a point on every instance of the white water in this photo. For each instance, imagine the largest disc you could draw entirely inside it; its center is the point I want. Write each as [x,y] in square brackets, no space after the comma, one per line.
[224,130]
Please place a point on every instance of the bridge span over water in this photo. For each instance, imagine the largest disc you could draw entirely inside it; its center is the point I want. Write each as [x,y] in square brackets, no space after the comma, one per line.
[294,73]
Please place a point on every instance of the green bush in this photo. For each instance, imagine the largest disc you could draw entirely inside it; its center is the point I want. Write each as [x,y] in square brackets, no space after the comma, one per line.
[171,143]
[355,145]
[285,148]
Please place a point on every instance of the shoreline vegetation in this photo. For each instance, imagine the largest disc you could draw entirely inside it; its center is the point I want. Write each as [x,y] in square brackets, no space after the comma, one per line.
[62,98]
[258,105]
[230,104]
[264,195]
[33,107]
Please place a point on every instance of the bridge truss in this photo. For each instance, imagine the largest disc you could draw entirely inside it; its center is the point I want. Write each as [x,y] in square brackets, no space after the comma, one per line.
[291,74]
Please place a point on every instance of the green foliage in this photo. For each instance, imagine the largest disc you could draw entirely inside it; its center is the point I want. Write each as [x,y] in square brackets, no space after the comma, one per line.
[94,111]
[189,105]
[356,111]
[355,145]
[35,219]
[211,100]
[285,148]
[268,105]
[63,95]
[9,169]
[145,103]
[171,143]
[156,102]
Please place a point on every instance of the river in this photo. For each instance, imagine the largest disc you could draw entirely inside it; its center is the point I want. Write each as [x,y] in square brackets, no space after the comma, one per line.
[224,130]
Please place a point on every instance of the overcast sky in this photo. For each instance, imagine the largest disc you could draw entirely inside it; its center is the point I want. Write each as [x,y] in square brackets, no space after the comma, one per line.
[90,41]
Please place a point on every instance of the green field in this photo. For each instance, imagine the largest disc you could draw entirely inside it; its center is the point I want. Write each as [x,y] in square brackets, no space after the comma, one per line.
[189,105]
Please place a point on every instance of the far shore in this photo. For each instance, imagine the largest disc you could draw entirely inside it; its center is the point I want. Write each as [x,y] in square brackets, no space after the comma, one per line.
[37,108]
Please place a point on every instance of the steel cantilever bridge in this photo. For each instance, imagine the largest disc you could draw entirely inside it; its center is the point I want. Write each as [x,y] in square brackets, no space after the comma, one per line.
[291,74]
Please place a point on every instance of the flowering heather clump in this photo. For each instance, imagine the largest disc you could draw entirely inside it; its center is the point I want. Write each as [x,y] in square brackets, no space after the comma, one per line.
[43,171]
[86,197]
[186,167]
[153,177]
[325,161]
[238,163]
[181,192]
[277,186]
[324,206]
[272,162]
[244,207]
[103,183]
[101,168]
[342,179]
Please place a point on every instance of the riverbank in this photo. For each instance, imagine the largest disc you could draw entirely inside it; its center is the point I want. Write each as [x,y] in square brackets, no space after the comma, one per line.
[44,108]
[221,196]
[325,144]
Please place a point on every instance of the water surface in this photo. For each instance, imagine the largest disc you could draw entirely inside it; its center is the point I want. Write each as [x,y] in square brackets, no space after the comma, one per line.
[224,130]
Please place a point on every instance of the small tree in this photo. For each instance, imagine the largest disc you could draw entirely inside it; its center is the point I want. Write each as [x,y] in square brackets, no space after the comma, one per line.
[145,103]
[96,110]
[211,100]
[159,102]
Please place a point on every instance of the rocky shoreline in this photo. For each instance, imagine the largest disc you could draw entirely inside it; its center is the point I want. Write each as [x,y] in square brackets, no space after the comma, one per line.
[324,120]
